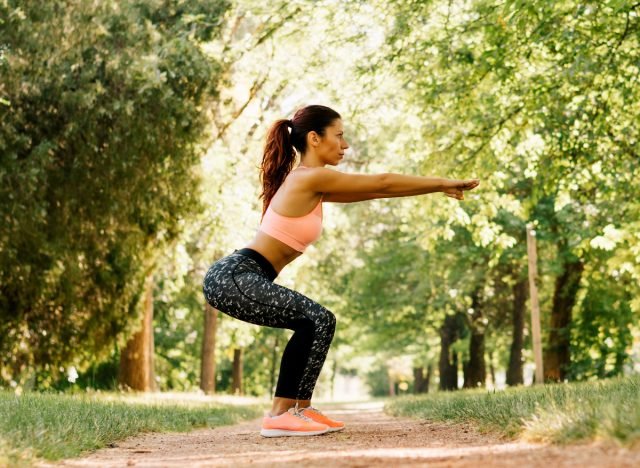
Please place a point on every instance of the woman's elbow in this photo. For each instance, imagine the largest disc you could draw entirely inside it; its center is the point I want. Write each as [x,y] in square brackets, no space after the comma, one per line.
[384,183]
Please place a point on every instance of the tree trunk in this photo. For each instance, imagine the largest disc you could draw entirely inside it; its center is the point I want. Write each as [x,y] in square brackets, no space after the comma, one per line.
[274,357]
[136,360]
[427,380]
[334,371]
[418,378]
[152,350]
[420,381]
[236,382]
[208,354]
[454,362]
[492,370]
[514,371]
[557,357]
[475,371]
[448,364]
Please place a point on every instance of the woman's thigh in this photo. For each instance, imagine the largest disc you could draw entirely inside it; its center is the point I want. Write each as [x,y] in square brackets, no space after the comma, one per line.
[247,295]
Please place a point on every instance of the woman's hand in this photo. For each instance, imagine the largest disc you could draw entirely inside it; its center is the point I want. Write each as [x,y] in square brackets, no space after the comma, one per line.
[453,188]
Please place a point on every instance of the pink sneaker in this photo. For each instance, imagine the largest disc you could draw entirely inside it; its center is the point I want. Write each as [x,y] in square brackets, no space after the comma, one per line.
[291,423]
[315,414]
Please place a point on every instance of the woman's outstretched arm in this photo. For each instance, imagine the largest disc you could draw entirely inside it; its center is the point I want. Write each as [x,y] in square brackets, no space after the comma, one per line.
[386,185]
[351,197]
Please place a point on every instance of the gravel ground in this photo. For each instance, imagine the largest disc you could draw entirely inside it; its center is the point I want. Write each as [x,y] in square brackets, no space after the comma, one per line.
[370,439]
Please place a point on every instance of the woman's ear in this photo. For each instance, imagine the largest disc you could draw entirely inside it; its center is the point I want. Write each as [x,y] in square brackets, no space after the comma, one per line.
[313,138]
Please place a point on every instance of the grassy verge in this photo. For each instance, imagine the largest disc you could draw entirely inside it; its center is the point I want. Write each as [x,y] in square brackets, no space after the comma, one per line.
[607,410]
[50,426]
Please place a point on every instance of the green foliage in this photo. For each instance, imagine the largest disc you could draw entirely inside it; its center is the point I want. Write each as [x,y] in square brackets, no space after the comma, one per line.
[178,325]
[378,381]
[538,100]
[100,375]
[602,331]
[98,142]
[102,107]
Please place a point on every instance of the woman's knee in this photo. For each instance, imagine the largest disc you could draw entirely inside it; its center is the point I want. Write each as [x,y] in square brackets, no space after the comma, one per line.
[321,319]
[327,319]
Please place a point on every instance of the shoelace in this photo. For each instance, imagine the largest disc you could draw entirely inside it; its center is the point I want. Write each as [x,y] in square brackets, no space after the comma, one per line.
[314,409]
[296,412]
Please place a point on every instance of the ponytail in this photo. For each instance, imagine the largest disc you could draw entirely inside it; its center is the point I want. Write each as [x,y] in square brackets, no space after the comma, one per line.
[277,161]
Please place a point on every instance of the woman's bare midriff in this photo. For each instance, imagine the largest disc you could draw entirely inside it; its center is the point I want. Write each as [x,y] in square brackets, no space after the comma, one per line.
[278,253]
[298,203]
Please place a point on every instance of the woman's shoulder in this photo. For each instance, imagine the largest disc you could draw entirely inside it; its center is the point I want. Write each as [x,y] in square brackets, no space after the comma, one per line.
[316,171]
[304,180]
[312,177]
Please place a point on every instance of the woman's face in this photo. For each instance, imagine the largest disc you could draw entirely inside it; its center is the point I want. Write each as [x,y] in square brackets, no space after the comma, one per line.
[332,145]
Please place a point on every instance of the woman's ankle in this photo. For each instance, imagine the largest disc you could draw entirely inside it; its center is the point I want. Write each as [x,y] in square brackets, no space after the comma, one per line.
[279,410]
[282,405]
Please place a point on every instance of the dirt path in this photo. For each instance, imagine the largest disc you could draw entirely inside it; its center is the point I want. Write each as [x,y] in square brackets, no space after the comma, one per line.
[371,439]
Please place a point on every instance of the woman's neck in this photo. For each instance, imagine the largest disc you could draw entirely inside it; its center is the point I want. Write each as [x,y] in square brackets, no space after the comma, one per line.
[307,165]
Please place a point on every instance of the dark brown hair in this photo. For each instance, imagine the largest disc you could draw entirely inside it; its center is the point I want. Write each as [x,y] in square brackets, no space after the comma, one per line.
[279,155]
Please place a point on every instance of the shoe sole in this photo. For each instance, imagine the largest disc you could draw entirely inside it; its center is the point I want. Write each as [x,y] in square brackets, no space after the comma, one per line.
[283,433]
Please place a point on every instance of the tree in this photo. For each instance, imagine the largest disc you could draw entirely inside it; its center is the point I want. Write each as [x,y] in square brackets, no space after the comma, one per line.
[136,359]
[99,141]
[208,360]
[514,369]
[537,98]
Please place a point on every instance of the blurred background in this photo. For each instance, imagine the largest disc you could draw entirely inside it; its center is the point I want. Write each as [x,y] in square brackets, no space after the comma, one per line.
[130,138]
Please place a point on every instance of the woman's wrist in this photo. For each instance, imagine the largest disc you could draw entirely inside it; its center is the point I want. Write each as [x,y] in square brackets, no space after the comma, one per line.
[445,184]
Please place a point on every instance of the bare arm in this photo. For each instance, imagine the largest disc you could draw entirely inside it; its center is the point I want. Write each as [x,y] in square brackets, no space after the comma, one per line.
[329,181]
[356,197]
[345,188]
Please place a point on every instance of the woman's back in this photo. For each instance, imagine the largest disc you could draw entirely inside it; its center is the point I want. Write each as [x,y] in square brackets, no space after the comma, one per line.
[297,231]
[293,198]
[290,222]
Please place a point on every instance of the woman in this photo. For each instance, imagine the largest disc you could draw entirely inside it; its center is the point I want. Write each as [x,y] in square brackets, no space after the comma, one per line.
[241,284]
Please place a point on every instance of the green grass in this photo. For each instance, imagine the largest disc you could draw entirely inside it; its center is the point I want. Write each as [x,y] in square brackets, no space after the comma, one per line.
[50,426]
[606,410]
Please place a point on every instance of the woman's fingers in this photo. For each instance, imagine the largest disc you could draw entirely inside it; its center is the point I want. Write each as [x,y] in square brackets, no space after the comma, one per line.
[457,190]
[463,184]
[456,195]
[470,184]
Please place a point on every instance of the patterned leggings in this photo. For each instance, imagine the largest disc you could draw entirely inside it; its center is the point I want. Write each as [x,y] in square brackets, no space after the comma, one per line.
[241,285]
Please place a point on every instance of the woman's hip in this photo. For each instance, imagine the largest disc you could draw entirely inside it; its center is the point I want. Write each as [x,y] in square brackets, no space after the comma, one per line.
[221,279]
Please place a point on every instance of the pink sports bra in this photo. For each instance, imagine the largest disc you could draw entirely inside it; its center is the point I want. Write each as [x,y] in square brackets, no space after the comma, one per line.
[298,232]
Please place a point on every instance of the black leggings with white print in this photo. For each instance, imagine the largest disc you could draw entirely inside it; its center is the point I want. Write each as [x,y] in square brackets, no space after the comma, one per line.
[241,285]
